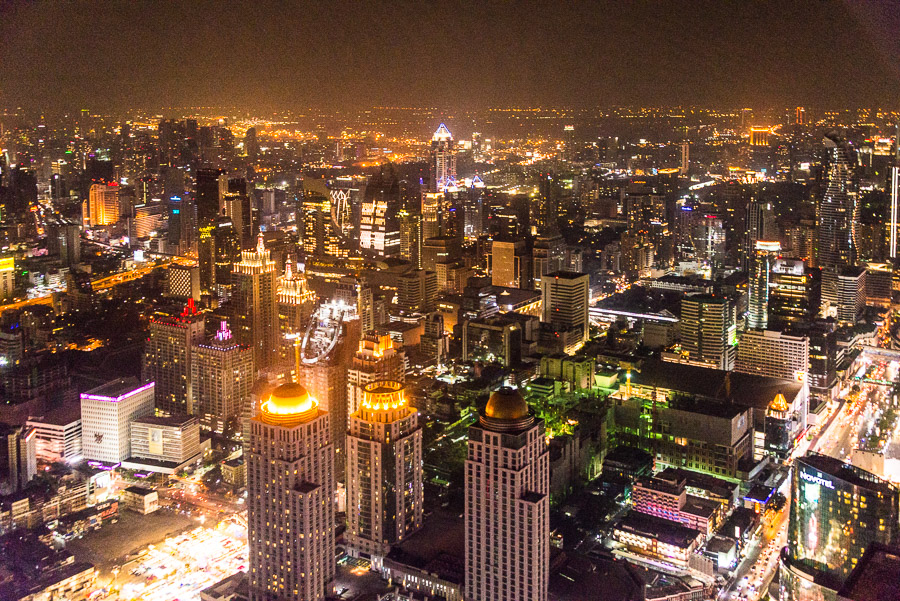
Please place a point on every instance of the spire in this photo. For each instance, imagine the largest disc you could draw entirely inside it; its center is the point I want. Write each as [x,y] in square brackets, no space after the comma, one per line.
[260,247]
[288,271]
[442,133]
[189,309]
[224,332]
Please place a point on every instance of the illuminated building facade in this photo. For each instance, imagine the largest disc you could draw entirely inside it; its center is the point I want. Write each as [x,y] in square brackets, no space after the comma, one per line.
[443,159]
[507,509]
[708,332]
[510,264]
[319,234]
[167,357]
[796,293]
[254,314]
[7,277]
[836,213]
[565,297]
[222,375]
[376,359]
[296,304]
[384,466]
[379,230]
[18,457]
[290,501]
[106,415]
[763,260]
[774,354]
[103,201]
[837,511]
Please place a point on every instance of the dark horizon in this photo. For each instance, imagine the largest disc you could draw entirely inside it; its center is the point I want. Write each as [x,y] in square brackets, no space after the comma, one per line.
[266,57]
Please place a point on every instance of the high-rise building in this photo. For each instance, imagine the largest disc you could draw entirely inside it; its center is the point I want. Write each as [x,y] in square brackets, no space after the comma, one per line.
[296,304]
[222,375]
[378,358]
[106,415]
[510,264]
[183,282]
[206,256]
[384,466]
[236,205]
[254,315]
[837,511]
[416,291]
[565,298]
[379,230]
[411,238]
[103,203]
[851,295]
[760,275]
[443,159]
[774,354]
[796,292]
[434,205]
[548,255]
[708,331]
[18,457]
[167,357]
[507,533]
[290,501]
[319,234]
[210,188]
[836,213]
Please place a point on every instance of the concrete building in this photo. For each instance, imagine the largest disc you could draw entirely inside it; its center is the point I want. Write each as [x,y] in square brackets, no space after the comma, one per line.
[58,434]
[760,280]
[106,415]
[565,299]
[139,499]
[222,375]
[507,503]
[103,205]
[163,444]
[773,354]
[384,471]
[254,314]
[290,502]
[851,295]
[296,304]
[167,357]
[183,282]
[708,331]
[510,264]
[18,457]
[416,291]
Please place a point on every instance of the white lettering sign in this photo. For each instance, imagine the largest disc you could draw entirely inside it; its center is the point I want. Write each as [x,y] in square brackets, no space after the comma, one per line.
[817,480]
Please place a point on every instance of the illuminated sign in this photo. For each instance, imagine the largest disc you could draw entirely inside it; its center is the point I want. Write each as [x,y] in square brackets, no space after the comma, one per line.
[817,480]
[7,264]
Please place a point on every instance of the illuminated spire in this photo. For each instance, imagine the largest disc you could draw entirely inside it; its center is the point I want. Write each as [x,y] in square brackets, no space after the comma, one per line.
[288,271]
[224,332]
[442,134]
[260,247]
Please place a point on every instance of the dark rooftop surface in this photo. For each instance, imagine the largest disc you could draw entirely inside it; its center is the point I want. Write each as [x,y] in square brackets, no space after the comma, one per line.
[663,530]
[438,548]
[848,473]
[140,490]
[576,577]
[174,421]
[115,388]
[876,577]
[60,416]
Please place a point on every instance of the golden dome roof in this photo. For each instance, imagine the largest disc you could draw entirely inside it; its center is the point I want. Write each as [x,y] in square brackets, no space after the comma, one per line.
[506,403]
[289,399]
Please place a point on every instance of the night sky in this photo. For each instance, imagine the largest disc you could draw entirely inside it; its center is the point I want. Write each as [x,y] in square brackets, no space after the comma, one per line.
[263,55]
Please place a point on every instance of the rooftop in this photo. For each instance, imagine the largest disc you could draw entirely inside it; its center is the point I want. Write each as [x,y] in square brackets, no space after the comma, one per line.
[576,577]
[662,530]
[876,576]
[848,473]
[115,388]
[174,421]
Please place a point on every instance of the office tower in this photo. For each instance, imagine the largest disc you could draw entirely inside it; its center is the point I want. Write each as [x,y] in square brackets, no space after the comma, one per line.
[378,358]
[851,295]
[103,203]
[210,188]
[708,243]
[473,208]
[296,304]
[379,230]
[251,144]
[507,532]
[236,205]
[106,415]
[411,238]
[708,330]
[434,205]
[511,264]
[796,292]
[435,341]
[759,136]
[442,249]
[837,511]
[760,275]
[254,314]
[895,198]
[227,252]
[384,467]
[222,375]
[290,500]
[65,240]
[7,277]
[18,458]
[416,291]
[647,221]
[773,354]
[346,193]
[206,257]
[167,357]
[443,160]
[58,434]
[836,219]
[800,115]
[565,297]
[158,441]
[548,255]
[760,226]
[183,282]
[546,206]
[685,165]
[319,234]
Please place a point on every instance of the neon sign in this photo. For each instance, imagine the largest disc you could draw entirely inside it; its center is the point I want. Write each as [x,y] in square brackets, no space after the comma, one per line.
[817,480]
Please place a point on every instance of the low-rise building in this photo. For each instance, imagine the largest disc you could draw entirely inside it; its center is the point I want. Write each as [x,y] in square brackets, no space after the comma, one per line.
[58,434]
[669,500]
[234,472]
[164,444]
[140,499]
[657,538]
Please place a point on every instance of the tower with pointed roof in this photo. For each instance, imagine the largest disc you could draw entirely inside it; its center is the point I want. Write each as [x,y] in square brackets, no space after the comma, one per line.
[222,376]
[167,357]
[254,314]
[443,159]
[507,511]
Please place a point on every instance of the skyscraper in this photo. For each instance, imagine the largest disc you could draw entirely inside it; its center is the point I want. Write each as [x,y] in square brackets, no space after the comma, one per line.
[443,159]
[763,261]
[565,299]
[296,304]
[221,375]
[379,231]
[837,511]
[104,204]
[384,466]
[18,457]
[290,501]
[254,316]
[376,359]
[510,264]
[708,330]
[106,415]
[836,219]
[507,533]
[167,357]
[319,234]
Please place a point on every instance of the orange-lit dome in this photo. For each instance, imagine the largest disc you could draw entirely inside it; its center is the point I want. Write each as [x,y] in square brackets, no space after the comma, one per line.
[506,403]
[289,399]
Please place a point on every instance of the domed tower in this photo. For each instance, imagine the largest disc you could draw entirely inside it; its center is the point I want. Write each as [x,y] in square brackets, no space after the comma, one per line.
[384,471]
[290,503]
[507,503]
